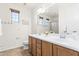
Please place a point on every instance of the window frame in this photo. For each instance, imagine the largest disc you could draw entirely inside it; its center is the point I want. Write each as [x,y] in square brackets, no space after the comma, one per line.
[15,11]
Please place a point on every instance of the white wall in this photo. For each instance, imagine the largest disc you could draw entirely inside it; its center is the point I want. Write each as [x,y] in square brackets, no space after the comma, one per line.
[14,34]
[69,15]
[0,28]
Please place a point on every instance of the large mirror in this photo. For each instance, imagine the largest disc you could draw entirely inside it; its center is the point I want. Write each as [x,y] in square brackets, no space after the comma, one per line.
[47,20]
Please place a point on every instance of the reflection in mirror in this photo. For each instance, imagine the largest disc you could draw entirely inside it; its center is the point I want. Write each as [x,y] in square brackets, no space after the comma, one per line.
[48,20]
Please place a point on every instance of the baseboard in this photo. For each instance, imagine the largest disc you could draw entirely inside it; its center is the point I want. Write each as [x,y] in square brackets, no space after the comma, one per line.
[10,48]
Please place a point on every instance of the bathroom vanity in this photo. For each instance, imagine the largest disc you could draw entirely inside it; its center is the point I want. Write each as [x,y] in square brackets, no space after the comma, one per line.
[52,46]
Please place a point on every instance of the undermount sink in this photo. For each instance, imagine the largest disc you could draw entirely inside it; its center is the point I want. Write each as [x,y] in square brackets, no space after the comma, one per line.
[68,38]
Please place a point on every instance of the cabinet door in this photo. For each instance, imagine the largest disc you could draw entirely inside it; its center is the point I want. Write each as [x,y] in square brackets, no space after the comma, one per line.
[55,50]
[61,51]
[66,52]
[34,46]
[39,47]
[46,48]
[30,44]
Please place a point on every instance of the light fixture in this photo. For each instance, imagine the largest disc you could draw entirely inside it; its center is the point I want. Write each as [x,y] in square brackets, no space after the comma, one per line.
[41,10]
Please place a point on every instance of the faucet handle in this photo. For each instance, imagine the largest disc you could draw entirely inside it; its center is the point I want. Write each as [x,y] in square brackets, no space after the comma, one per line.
[65,31]
[74,31]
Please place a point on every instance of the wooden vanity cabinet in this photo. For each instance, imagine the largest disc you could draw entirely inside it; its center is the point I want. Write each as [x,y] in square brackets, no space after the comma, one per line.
[46,48]
[61,51]
[39,47]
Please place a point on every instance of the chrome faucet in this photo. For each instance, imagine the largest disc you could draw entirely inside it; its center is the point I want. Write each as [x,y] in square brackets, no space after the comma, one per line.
[66,30]
[64,33]
[74,31]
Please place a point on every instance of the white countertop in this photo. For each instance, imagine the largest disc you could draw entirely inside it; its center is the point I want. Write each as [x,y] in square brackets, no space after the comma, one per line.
[55,38]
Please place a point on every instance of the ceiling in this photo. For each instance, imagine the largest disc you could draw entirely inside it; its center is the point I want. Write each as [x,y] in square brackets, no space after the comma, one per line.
[51,9]
[33,6]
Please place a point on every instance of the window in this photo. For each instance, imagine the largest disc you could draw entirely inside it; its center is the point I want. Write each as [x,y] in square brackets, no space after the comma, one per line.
[15,16]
